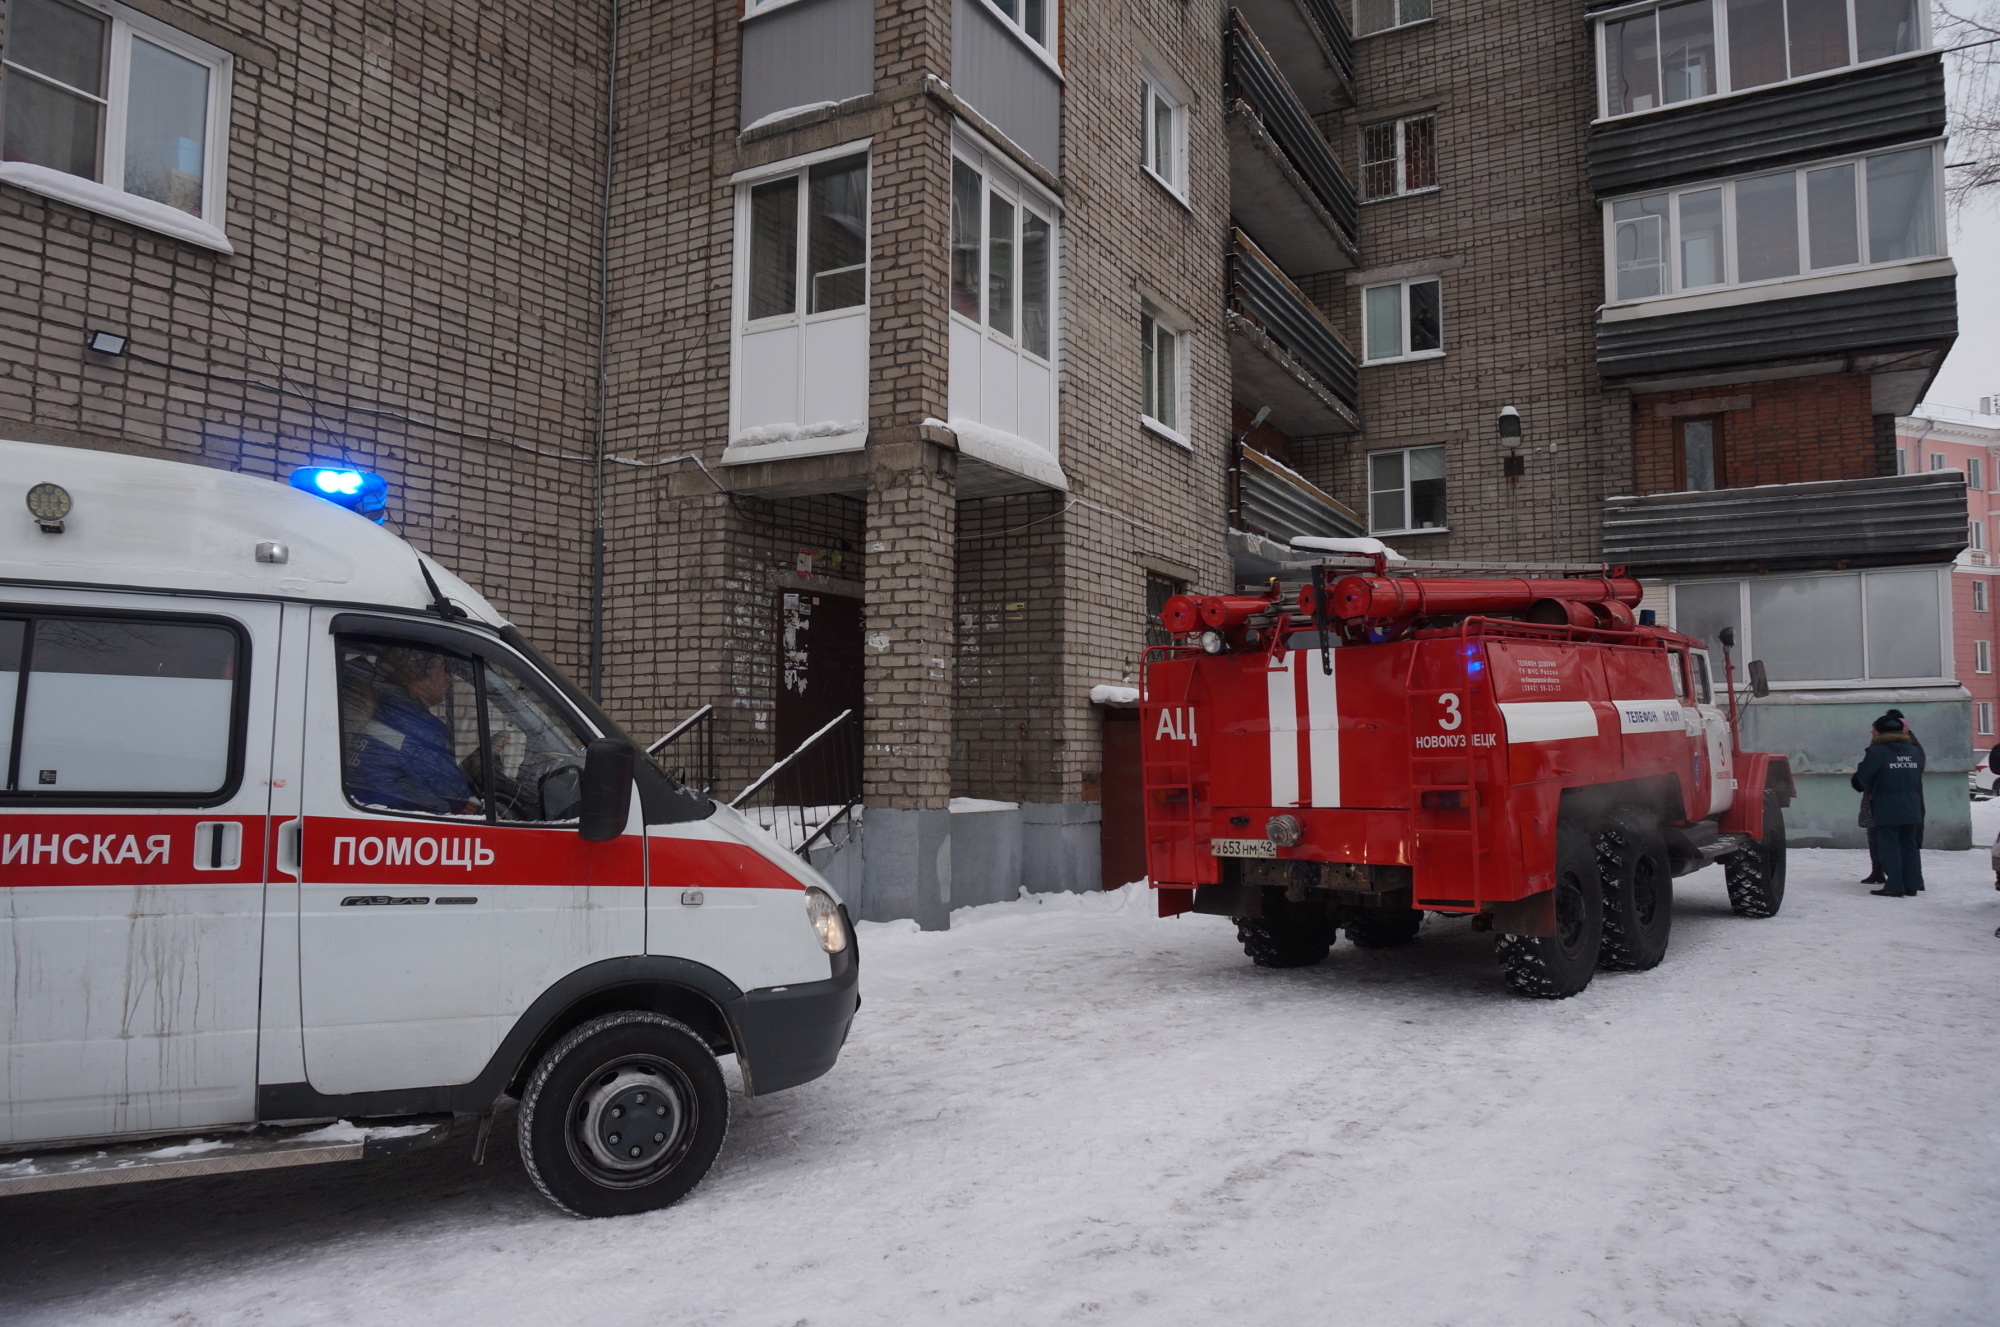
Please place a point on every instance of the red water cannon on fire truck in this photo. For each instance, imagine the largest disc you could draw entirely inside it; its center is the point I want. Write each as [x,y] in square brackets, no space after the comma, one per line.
[1366,743]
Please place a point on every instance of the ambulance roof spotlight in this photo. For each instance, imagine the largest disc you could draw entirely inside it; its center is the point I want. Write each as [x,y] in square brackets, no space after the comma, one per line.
[356,490]
[1211,642]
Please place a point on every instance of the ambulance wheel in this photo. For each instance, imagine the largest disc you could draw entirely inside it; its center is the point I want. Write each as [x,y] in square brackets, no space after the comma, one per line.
[1383,928]
[1283,942]
[624,1114]
[1555,967]
[1756,874]
[1638,892]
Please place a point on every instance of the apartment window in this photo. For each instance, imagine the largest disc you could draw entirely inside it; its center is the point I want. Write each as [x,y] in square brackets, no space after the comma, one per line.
[1163,132]
[1159,589]
[1982,656]
[1406,490]
[1979,596]
[1984,712]
[1399,156]
[1902,461]
[1033,19]
[1937,460]
[1856,627]
[1975,535]
[801,328]
[1162,371]
[1843,214]
[1379,15]
[1975,473]
[118,100]
[1666,54]
[1004,270]
[1404,320]
[1701,455]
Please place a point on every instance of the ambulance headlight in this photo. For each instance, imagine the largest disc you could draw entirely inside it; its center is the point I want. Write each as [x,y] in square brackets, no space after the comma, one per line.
[356,490]
[1212,642]
[824,914]
[1285,831]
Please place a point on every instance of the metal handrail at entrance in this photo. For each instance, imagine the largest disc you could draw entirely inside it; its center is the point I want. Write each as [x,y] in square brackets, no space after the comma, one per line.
[694,736]
[805,797]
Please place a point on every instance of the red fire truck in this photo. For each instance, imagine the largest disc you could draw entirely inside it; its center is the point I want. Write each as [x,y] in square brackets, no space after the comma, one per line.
[1506,744]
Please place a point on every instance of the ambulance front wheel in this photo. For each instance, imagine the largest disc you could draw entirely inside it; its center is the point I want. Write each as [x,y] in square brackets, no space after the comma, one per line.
[625,1114]
[1555,967]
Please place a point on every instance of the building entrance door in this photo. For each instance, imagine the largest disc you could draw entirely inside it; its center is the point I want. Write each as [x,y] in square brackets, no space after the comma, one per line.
[819,675]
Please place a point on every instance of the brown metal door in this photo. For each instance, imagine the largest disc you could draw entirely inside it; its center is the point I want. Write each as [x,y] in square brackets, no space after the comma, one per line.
[819,675]
[1123,832]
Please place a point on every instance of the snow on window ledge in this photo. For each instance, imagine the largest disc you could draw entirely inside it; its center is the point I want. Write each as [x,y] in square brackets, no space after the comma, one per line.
[777,442]
[106,201]
[1009,451]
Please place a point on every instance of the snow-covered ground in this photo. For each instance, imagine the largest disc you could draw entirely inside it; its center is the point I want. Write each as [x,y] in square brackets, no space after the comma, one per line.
[1065,1109]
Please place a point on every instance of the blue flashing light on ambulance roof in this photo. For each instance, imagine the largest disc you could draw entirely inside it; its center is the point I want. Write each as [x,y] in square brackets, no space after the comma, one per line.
[356,490]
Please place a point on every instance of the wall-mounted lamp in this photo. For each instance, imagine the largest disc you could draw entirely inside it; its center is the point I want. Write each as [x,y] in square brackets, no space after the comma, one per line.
[108,343]
[1510,427]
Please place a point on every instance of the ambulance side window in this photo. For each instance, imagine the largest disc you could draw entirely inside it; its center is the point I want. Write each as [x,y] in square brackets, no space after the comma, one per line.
[119,707]
[434,732]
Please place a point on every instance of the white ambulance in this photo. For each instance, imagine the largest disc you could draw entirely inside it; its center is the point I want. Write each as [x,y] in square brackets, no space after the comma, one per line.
[304,852]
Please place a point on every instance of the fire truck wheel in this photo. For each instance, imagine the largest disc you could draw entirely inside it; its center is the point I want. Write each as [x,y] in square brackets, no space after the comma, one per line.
[1283,942]
[1555,967]
[1384,928]
[625,1114]
[1638,892]
[1756,874]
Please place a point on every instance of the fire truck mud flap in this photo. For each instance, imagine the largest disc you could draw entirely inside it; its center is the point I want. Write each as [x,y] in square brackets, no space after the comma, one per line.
[1534,915]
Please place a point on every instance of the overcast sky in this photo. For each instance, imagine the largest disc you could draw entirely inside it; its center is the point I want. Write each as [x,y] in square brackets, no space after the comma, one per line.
[1973,368]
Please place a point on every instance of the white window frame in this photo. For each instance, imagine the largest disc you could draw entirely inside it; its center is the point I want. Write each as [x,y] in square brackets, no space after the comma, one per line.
[1982,656]
[1402,7]
[1403,335]
[1176,328]
[1746,643]
[1975,473]
[1975,536]
[1368,482]
[1983,712]
[1602,29]
[106,194]
[1937,460]
[1044,47]
[1671,238]
[1158,89]
[1402,123]
[1979,594]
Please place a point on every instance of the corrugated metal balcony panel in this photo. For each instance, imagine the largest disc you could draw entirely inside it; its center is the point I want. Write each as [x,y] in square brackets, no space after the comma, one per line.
[1263,373]
[1273,201]
[1904,313]
[1880,521]
[1312,45]
[1273,500]
[1262,293]
[1901,101]
[1253,78]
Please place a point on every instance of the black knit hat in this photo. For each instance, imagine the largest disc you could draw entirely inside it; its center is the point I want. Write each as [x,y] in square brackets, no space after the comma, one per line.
[1889,723]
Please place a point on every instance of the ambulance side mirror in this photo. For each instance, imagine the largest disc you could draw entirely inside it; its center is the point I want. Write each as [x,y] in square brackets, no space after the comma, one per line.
[1759,684]
[607,789]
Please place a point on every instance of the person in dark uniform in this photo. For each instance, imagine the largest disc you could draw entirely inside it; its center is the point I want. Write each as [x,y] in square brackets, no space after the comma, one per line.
[1892,774]
[399,753]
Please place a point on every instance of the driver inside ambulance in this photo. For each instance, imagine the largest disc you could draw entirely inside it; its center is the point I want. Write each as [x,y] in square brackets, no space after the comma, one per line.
[399,752]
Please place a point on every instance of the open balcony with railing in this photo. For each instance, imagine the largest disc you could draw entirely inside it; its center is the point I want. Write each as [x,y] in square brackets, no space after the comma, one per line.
[1312,45]
[1285,185]
[1283,353]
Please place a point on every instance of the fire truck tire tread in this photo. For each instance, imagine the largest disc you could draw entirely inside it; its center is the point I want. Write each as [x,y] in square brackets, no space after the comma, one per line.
[1283,943]
[577,1114]
[1555,967]
[1384,928]
[1756,875]
[1638,891]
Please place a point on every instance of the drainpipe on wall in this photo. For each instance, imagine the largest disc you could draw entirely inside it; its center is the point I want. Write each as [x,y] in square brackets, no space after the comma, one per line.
[603,365]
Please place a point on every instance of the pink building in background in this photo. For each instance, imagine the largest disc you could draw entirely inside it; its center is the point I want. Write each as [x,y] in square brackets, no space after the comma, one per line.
[1947,438]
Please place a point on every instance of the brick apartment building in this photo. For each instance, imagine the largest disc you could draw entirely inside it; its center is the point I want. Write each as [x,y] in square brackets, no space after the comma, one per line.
[898,355]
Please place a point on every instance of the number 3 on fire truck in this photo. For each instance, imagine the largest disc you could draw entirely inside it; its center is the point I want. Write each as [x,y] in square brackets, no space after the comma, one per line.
[1451,718]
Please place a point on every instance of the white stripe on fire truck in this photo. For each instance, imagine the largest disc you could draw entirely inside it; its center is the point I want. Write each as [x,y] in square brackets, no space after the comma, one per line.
[1322,729]
[1549,720]
[1283,708]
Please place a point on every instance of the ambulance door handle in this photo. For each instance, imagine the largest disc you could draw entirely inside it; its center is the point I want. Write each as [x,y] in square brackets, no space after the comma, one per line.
[291,836]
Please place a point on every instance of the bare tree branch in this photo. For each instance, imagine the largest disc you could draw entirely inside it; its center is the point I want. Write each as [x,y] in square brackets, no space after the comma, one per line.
[1975,98]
